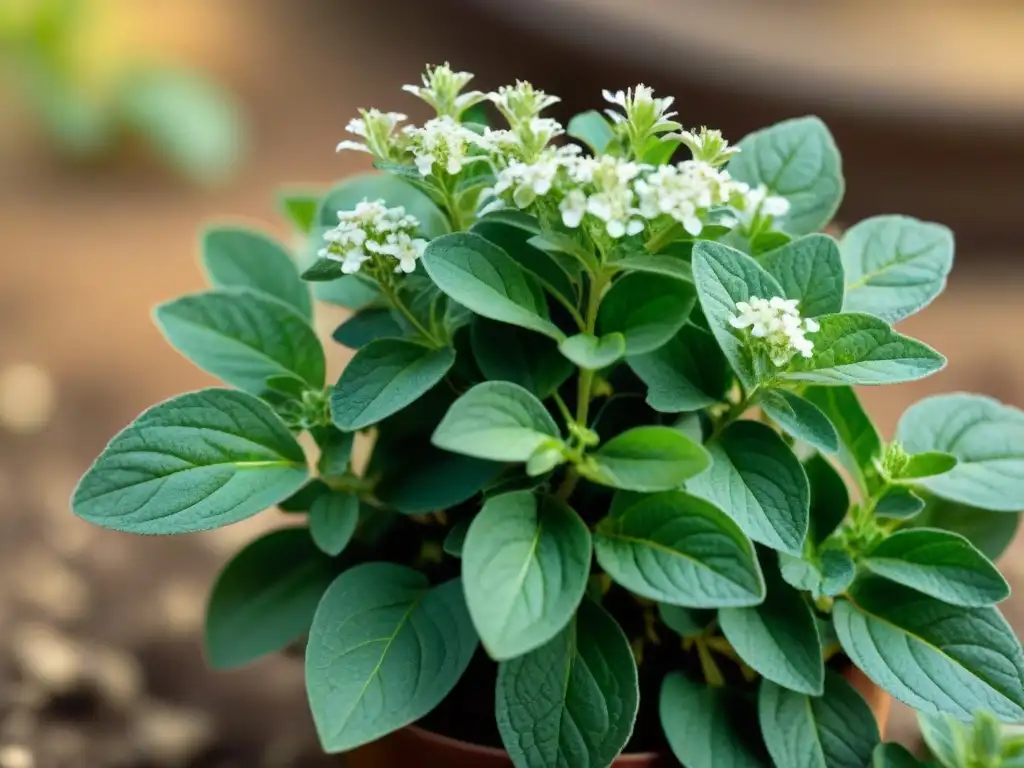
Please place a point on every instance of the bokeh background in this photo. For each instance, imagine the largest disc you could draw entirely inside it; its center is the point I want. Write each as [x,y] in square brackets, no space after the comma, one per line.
[125,125]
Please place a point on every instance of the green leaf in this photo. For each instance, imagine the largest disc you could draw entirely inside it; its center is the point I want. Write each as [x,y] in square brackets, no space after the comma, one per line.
[899,503]
[593,353]
[525,564]
[986,437]
[515,241]
[322,270]
[927,464]
[686,622]
[646,309]
[300,208]
[680,550]
[646,459]
[302,500]
[193,124]
[481,276]
[930,655]
[508,353]
[990,532]
[941,564]
[702,726]
[758,481]
[800,418]
[455,539]
[895,265]
[861,349]
[827,574]
[893,755]
[429,479]
[194,462]
[496,420]
[945,737]
[335,451]
[859,443]
[798,160]
[833,730]
[809,269]
[367,326]
[384,377]
[687,373]
[237,257]
[332,521]
[778,638]
[573,701]
[593,129]
[661,264]
[264,599]
[830,499]
[384,650]
[243,337]
[724,276]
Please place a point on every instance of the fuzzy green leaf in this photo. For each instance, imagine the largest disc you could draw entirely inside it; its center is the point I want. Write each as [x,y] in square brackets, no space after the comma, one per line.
[986,437]
[299,208]
[367,326]
[525,564]
[195,462]
[646,459]
[593,129]
[686,622]
[724,276]
[680,550]
[809,269]
[990,532]
[573,701]
[830,499]
[591,352]
[482,277]
[332,521]
[242,258]
[893,755]
[702,726]
[899,503]
[265,597]
[384,377]
[384,650]
[508,353]
[859,443]
[778,638]
[242,337]
[687,373]
[800,418]
[941,564]
[496,420]
[863,350]
[798,160]
[927,464]
[660,264]
[429,479]
[833,730]
[759,482]
[895,265]
[928,654]
[646,309]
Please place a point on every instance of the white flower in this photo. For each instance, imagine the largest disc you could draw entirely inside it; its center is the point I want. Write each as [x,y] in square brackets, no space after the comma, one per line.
[756,202]
[644,114]
[443,142]
[685,192]
[778,327]
[522,102]
[372,230]
[706,145]
[573,208]
[526,141]
[527,181]
[377,130]
[607,182]
[442,89]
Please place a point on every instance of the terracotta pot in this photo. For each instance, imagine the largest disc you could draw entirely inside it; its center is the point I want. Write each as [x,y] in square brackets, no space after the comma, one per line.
[416,746]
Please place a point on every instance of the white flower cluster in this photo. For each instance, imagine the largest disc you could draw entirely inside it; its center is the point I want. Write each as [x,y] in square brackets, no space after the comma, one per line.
[686,190]
[377,129]
[644,115]
[442,143]
[603,187]
[372,229]
[777,323]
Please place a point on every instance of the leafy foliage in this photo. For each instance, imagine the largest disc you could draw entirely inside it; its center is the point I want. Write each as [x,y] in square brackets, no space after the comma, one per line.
[596,431]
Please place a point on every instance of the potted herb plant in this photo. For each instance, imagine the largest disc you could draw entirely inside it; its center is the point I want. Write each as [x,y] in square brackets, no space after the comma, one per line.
[617,492]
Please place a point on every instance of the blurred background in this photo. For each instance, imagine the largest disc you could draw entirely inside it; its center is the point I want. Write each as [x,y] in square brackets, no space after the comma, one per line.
[125,125]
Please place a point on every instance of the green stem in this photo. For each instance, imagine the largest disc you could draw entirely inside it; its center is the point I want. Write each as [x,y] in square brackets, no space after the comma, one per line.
[397,303]
[733,413]
[660,239]
[712,674]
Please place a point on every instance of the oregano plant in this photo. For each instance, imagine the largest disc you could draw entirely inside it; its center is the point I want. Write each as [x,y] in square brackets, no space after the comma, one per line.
[612,478]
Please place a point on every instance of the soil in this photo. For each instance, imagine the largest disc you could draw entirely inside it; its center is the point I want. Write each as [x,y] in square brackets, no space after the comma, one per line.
[100,656]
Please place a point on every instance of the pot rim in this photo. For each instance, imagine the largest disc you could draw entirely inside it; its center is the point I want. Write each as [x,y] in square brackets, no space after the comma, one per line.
[642,758]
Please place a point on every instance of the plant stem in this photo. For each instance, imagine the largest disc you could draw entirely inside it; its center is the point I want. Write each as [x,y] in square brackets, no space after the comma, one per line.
[660,239]
[712,674]
[733,413]
[396,303]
